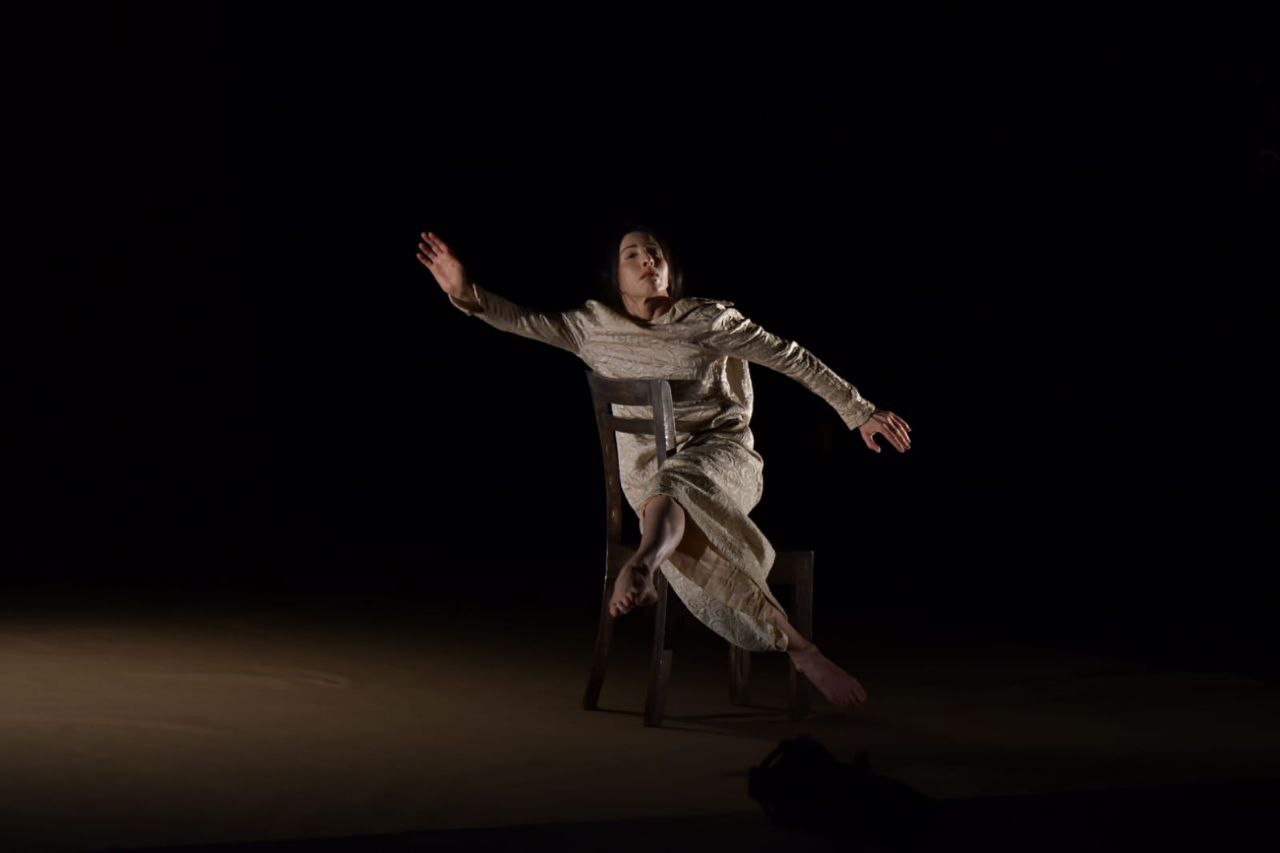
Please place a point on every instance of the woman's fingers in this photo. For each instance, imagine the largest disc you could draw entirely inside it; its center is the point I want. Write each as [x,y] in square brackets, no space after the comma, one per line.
[436,245]
[901,434]
[425,255]
[892,427]
[895,429]
[895,435]
[905,429]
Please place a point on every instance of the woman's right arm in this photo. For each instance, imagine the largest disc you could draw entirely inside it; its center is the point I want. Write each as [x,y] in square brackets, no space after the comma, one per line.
[561,329]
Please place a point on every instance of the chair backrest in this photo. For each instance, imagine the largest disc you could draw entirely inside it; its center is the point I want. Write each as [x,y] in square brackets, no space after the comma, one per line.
[655,393]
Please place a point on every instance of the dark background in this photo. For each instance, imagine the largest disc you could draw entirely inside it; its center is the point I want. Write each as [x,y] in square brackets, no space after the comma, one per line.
[1032,237]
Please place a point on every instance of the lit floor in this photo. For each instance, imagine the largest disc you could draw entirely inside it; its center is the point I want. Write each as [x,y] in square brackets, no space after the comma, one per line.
[446,728]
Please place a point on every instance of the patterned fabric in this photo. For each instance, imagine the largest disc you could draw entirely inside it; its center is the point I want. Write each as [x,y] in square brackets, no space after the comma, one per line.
[703,346]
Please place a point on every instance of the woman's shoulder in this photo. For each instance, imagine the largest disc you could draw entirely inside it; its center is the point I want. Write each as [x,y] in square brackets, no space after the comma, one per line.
[706,309]
[706,302]
[689,301]
[687,309]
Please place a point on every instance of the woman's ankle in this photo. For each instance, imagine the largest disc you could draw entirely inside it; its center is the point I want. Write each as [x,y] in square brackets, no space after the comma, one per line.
[642,567]
[796,642]
[799,645]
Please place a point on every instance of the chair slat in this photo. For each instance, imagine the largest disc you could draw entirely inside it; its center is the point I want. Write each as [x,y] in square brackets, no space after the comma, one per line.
[635,426]
[624,392]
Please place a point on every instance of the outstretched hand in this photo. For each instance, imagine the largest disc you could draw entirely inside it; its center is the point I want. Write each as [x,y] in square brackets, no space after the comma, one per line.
[444,265]
[893,428]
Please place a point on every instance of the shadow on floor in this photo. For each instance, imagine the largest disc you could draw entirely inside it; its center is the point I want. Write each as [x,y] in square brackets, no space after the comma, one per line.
[807,801]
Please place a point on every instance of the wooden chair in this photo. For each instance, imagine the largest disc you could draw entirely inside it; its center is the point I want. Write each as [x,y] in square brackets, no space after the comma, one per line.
[791,568]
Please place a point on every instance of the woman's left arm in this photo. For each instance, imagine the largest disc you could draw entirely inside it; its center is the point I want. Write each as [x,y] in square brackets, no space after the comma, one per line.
[733,334]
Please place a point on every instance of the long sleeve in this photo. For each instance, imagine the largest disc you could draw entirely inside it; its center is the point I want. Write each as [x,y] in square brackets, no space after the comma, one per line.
[732,334]
[561,329]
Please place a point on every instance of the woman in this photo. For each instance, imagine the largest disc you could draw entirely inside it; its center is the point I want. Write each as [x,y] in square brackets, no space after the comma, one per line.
[694,510]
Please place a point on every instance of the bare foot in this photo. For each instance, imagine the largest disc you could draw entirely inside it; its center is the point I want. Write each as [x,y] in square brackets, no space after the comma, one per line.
[633,588]
[840,688]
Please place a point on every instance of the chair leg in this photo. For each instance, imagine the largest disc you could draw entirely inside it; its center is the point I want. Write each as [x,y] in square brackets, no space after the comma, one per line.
[615,556]
[733,674]
[600,658]
[799,692]
[739,676]
[804,624]
[660,661]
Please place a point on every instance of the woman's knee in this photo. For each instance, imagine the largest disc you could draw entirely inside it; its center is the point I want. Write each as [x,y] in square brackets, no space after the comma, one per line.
[664,516]
[694,542]
[665,506]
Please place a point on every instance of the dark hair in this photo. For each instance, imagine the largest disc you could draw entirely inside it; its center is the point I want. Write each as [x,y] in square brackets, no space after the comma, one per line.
[611,290]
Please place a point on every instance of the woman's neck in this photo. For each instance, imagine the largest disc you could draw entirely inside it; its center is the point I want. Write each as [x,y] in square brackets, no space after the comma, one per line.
[647,308]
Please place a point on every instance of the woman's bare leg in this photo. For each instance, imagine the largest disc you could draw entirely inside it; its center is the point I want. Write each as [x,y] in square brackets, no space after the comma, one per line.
[840,688]
[664,528]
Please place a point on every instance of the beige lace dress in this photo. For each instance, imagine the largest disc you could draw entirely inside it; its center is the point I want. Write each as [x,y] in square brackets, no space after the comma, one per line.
[704,346]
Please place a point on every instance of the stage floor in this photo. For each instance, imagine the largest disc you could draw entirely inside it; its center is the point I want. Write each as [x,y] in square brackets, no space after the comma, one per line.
[448,725]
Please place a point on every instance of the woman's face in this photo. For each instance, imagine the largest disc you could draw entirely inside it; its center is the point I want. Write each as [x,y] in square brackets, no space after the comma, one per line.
[642,269]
